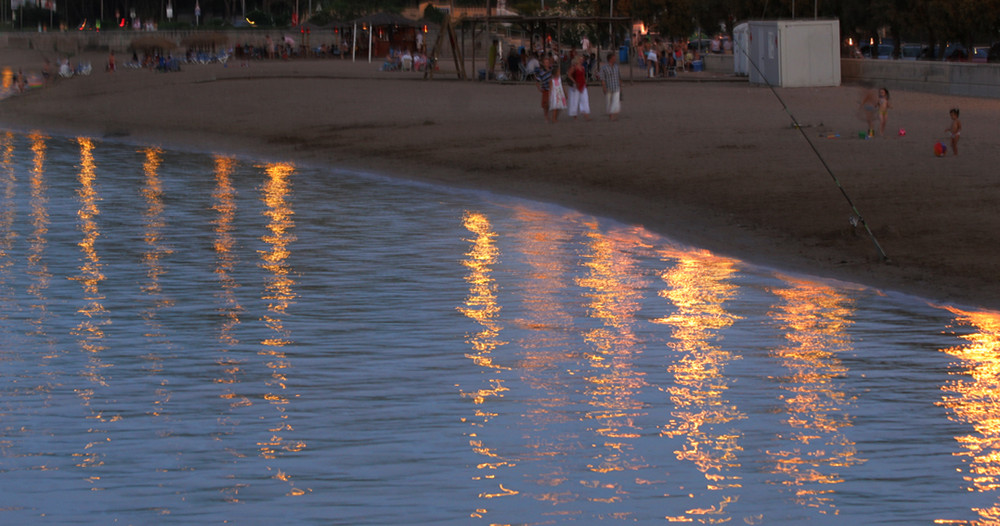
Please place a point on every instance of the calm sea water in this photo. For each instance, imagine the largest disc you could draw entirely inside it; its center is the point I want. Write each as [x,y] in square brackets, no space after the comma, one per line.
[198,339]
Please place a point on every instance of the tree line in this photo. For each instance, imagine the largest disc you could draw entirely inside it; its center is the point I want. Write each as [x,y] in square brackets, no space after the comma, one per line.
[930,22]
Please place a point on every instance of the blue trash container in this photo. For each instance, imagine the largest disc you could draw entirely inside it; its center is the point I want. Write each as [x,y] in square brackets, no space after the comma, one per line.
[623,55]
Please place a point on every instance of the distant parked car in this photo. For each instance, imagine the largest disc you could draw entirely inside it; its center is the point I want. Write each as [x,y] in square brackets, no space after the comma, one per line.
[881,51]
[994,53]
[956,53]
[911,51]
[980,54]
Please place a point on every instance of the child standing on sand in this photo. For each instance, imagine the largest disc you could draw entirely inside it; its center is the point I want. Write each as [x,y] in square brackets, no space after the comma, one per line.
[557,99]
[543,78]
[955,130]
[883,110]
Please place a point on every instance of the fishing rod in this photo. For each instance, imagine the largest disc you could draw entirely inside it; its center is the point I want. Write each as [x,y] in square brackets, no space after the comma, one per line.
[795,123]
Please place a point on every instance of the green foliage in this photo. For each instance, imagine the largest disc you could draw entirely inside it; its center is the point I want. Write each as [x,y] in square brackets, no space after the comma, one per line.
[260,18]
[166,24]
[32,16]
[526,7]
[433,14]
[351,9]
[321,18]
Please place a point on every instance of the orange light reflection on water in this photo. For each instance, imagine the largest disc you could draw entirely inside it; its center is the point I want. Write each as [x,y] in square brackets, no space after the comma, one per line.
[37,268]
[8,212]
[973,398]
[224,205]
[153,225]
[815,447]
[549,357]
[89,331]
[279,293]
[698,286]
[482,307]
[613,289]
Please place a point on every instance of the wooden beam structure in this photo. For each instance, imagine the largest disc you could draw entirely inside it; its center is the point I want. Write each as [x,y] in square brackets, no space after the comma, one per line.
[447,26]
[530,23]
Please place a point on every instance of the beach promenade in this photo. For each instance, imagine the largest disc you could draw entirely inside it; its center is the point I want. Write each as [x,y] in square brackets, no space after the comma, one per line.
[715,164]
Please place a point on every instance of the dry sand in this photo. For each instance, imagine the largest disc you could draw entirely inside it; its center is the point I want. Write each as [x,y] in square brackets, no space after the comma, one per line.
[714,164]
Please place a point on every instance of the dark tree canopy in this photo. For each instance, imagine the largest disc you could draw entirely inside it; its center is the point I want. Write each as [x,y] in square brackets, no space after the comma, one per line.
[931,22]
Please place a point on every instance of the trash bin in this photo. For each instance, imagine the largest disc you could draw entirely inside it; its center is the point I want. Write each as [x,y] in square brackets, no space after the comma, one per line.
[697,65]
[623,55]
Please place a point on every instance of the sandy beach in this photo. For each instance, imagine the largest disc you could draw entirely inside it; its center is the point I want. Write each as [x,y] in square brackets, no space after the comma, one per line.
[714,164]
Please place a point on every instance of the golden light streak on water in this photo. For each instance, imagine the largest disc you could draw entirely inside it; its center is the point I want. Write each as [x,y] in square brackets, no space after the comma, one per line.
[224,204]
[814,447]
[482,307]
[549,360]
[8,214]
[152,256]
[37,267]
[89,331]
[279,293]
[481,303]
[698,286]
[612,287]
[972,399]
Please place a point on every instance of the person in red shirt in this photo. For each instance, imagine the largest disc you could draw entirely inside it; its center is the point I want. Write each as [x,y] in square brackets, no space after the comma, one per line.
[579,101]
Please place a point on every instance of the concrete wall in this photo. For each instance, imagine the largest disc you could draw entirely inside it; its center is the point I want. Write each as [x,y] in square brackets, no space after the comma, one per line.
[73,42]
[718,63]
[944,78]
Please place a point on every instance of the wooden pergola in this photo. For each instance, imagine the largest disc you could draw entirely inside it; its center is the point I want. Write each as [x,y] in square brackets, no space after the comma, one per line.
[536,24]
[530,24]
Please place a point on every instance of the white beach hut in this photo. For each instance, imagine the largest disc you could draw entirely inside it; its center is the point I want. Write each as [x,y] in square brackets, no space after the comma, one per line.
[741,43]
[793,53]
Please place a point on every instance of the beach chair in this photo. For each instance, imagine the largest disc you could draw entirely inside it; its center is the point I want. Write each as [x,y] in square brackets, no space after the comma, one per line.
[525,74]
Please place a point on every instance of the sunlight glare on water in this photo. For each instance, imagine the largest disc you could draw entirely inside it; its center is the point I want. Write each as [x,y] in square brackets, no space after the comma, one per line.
[193,338]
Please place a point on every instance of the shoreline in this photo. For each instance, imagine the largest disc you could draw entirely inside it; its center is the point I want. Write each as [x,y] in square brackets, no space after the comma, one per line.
[714,165]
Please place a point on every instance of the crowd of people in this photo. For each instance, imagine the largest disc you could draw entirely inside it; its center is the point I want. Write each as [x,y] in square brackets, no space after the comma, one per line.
[520,63]
[664,59]
[404,60]
[575,97]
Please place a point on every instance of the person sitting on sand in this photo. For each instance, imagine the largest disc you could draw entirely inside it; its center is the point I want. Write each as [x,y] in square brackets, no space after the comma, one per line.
[64,70]
[407,60]
[419,61]
[391,61]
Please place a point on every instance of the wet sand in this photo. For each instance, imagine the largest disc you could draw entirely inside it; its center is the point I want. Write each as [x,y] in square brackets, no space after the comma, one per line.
[714,164]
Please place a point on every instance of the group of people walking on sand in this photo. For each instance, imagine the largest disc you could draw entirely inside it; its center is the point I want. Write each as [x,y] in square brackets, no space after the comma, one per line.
[575,98]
